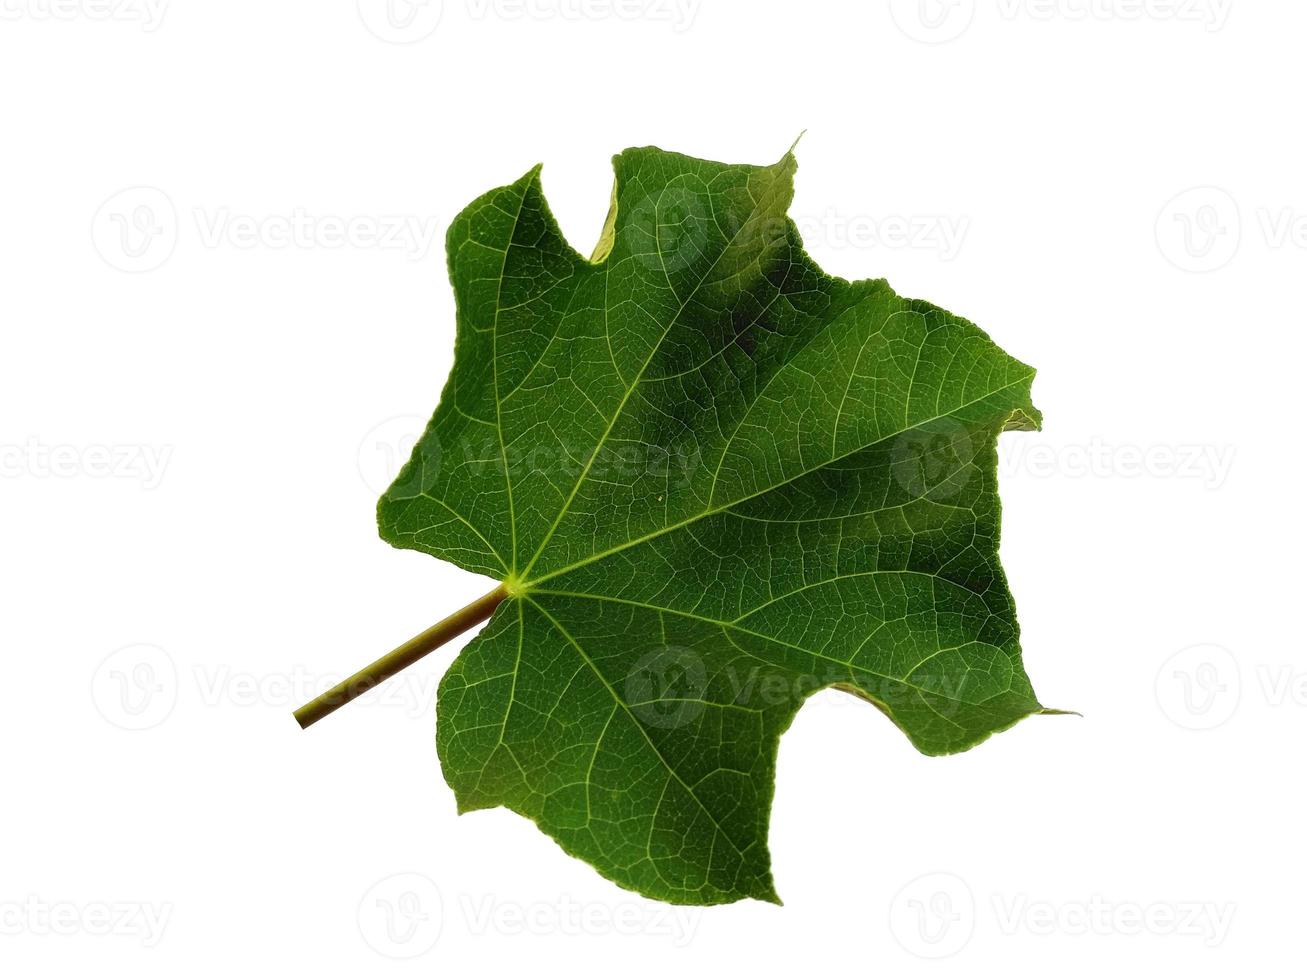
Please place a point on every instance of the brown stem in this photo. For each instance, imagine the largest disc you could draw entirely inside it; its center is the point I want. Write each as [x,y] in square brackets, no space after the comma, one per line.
[402,656]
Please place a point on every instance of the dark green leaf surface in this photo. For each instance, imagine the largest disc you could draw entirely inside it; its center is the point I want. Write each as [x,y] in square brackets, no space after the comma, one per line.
[715,480]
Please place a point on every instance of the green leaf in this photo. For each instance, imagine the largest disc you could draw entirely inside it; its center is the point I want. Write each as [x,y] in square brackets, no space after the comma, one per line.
[714,480]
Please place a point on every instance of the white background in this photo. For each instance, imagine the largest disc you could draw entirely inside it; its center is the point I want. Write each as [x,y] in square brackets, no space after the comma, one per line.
[197,412]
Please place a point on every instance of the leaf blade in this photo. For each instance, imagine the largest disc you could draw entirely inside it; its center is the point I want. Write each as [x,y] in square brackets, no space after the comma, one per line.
[705,468]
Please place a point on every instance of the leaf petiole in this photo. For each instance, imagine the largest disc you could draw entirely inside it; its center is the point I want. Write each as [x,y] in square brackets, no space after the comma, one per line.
[404,655]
